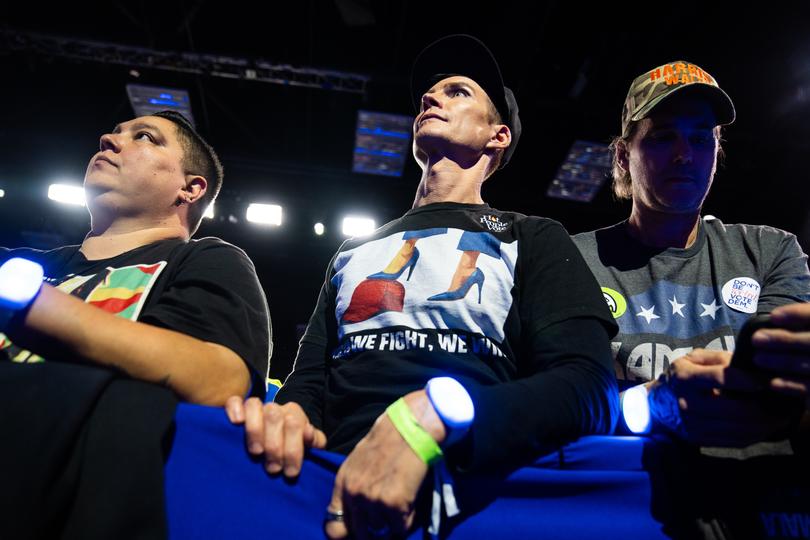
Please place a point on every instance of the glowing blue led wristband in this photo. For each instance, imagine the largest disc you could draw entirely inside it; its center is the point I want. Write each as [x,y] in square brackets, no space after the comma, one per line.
[636,409]
[20,282]
[454,406]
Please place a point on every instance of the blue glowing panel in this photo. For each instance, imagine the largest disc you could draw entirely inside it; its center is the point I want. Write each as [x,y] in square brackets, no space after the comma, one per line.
[583,172]
[381,143]
[146,100]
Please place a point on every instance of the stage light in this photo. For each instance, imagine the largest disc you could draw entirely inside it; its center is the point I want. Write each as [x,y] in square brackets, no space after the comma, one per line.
[67,194]
[636,409]
[2,193]
[358,226]
[319,229]
[583,172]
[209,212]
[382,143]
[266,214]
[147,100]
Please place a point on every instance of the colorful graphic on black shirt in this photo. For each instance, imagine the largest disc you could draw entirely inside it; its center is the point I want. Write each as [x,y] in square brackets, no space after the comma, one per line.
[120,291]
[440,278]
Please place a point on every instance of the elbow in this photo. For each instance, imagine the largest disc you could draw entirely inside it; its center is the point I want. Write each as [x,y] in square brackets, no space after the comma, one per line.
[219,393]
[227,375]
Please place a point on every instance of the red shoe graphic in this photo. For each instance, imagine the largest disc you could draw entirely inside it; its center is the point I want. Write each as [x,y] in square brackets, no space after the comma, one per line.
[372,297]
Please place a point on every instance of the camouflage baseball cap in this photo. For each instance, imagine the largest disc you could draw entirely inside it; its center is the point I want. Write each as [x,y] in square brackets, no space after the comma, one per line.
[653,87]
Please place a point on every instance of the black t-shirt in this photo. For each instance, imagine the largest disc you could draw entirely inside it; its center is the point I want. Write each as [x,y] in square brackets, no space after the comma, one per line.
[526,331]
[205,288]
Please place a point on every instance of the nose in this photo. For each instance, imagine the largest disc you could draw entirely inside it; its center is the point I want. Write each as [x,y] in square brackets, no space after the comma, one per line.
[682,153]
[109,141]
[430,100]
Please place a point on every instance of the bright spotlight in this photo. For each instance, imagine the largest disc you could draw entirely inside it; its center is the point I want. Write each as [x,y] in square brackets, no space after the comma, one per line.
[358,226]
[67,194]
[266,214]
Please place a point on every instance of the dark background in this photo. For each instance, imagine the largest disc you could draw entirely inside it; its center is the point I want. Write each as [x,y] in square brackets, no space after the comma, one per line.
[569,63]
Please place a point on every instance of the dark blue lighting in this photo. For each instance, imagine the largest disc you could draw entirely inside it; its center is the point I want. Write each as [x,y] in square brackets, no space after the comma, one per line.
[379,131]
[169,102]
[166,96]
[373,170]
[359,150]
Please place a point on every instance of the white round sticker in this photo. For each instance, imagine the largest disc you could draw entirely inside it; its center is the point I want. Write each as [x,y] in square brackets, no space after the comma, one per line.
[741,294]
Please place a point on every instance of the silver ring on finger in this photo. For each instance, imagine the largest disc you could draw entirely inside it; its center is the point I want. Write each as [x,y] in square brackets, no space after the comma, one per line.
[334,515]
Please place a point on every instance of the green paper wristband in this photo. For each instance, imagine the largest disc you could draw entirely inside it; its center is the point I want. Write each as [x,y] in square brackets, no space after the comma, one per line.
[414,434]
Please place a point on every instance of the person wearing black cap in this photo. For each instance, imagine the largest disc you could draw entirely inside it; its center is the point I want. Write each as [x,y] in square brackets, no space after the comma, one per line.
[188,314]
[457,330]
[681,286]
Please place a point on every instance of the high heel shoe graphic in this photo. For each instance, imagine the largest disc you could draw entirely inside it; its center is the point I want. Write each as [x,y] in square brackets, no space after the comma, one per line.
[407,266]
[476,278]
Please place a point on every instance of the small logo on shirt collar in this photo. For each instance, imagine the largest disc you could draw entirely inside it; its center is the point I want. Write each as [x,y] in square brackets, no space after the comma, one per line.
[494,223]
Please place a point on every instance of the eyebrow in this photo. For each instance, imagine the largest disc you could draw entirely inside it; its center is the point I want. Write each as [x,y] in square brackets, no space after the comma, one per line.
[459,84]
[452,86]
[137,126]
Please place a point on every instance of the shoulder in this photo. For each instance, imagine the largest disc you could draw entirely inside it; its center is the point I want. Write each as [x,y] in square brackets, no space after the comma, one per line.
[46,258]
[763,236]
[214,253]
[584,240]
[590,243]
[212,244]
[381,232]
[605,234]
[534,225]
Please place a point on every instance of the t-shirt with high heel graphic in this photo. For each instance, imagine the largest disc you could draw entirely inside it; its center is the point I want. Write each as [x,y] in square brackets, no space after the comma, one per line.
[500,301]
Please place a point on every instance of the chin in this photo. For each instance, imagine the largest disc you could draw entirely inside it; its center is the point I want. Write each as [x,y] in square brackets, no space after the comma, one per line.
[676,208]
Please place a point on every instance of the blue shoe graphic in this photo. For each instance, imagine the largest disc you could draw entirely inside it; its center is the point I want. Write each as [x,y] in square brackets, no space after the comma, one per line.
[476,278]
[408,265]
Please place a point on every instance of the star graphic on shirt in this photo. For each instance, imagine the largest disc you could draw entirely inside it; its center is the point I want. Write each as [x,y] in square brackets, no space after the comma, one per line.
[648,313]
[710,309]
[676,307]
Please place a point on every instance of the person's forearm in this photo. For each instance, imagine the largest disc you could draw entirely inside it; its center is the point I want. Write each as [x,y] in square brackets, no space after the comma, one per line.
[521,420]
[573,394]
[58,326]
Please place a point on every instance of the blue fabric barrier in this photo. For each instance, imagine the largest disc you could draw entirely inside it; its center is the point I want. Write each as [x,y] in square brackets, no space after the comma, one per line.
[594,486]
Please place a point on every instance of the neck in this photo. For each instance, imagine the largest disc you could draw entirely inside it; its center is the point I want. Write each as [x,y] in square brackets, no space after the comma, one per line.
[122,235]
[663,230]
[447,181]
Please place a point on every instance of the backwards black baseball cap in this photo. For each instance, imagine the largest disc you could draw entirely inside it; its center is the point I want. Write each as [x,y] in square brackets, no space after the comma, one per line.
[465,55]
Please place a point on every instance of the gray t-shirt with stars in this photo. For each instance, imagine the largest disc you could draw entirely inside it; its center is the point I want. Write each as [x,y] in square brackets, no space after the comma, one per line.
[669,301]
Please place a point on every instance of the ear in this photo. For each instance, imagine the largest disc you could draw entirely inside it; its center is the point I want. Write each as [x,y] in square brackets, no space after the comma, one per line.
[622,155]
[195,189]
[501,137]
